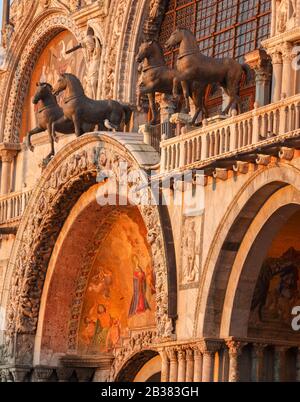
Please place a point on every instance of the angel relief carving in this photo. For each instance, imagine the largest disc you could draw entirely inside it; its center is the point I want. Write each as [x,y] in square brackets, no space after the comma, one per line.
[286,15]
[191,252]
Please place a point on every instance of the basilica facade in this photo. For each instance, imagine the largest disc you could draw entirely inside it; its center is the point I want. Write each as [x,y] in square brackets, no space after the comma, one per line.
[183,291]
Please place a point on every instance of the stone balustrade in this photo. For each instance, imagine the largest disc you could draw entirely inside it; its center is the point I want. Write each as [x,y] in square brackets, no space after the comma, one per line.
[240,132]
[12,206]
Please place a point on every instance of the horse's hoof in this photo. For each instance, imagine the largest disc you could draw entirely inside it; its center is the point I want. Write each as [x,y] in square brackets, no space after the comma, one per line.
[56,139]
[31,147]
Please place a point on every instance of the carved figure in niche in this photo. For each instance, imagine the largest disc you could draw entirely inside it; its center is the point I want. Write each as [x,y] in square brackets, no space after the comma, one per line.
[92,49]
[139,303]
[154,9]
[190,267]
[286,12]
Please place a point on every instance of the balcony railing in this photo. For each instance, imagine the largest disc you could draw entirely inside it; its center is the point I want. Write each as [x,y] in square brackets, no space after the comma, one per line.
[231,134]
[12,206]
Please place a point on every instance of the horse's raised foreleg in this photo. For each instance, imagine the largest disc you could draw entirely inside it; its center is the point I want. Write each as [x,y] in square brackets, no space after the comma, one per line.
[36,130]
[153,108]
[47,159]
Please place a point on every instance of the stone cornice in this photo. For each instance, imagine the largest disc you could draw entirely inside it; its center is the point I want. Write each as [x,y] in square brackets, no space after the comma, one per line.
[289,36]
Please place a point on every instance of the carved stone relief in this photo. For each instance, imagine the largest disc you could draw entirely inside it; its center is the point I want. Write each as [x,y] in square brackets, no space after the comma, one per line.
[191,251]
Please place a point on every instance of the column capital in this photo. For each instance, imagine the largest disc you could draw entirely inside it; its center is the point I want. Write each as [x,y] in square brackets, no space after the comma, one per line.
[189,353]
[172,353]
[235,346]
[7,155]
[42,374]
[64,373]
[181,352]
[258,348]
[209,346]
[19,374]
[275,54]
[287,52]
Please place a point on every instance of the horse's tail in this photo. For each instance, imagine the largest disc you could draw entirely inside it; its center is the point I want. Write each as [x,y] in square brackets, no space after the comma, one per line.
[248,73]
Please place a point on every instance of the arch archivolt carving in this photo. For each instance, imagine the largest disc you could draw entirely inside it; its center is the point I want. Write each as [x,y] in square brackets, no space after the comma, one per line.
[69,174]
[286,174]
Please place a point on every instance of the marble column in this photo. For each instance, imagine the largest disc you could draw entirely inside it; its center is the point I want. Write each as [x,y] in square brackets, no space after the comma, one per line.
[198,365]
[279,363]
[287,70]
[7,157]
[189,365]
[165,365]
[260,62]
[172,355]
[277,73]
[208,348]
[234,351]
[298,365]
[257,360]
[181,364]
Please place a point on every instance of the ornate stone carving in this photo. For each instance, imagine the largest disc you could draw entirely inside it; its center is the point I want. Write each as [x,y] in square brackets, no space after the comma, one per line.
[156,14]
[191,252]
[117,21]
[137,342]
[285,15]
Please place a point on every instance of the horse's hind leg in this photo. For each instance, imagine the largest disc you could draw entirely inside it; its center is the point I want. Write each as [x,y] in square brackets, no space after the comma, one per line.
[36,130]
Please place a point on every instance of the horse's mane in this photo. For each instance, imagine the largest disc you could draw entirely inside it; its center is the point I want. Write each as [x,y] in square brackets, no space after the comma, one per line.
[159,47]
[74,80]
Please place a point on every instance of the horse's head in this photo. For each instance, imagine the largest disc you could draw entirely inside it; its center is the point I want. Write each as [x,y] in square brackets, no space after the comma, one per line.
[175,38]
[145,51]
[43,90]
[60,85]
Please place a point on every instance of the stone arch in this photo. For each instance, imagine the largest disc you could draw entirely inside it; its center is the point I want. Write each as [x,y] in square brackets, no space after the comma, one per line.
[247,265]
[134,364]
[73,170]
[45,28]
[230,233]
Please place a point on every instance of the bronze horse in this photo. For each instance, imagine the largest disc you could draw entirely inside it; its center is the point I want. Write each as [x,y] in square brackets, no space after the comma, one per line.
[158,77]
[79,109]
[192,65]
[48,112]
